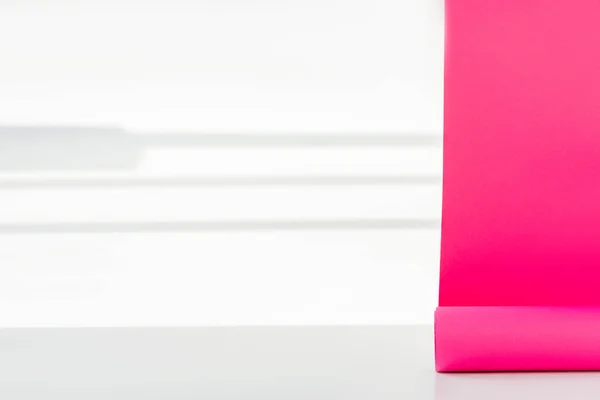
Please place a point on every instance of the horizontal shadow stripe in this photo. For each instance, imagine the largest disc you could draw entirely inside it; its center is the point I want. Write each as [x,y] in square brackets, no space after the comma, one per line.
[218,181]
[291,140]
[105,138]
[222,226]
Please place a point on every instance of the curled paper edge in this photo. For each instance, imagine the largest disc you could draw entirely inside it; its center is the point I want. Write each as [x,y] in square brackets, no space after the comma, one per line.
[528,338]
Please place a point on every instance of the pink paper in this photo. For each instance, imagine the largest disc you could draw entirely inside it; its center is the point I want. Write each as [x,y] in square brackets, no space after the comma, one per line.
[517,338]
[521,200]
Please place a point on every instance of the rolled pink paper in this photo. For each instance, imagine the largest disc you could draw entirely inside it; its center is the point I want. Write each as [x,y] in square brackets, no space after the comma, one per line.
[521,197]
[517,338]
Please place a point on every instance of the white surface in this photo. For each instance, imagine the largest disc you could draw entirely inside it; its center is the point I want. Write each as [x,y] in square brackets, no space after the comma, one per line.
[218,278]
[353,363]
[221,204]
[234,363]
[339,227]
[349,162]
[227,65]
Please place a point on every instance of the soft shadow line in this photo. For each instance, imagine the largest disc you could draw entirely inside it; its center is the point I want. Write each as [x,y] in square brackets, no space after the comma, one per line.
[287,140]
[219,181]
[224,226]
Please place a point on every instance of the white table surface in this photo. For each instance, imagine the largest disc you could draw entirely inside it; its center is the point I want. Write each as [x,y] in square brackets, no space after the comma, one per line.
[253,363]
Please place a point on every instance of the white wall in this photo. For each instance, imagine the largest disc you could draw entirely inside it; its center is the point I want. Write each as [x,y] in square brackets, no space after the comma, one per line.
[219,162]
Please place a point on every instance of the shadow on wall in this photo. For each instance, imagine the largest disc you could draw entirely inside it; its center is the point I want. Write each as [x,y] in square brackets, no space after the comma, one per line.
[66,148]
[73,149]
[106,148]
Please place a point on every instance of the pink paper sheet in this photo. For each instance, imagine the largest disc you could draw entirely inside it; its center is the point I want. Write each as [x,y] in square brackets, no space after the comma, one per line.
[521,199]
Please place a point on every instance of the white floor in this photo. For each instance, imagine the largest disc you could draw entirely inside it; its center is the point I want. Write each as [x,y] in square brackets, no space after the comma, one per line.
[366,363]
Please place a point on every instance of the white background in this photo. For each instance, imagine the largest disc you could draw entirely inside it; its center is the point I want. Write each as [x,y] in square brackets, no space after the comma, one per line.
[219,162]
